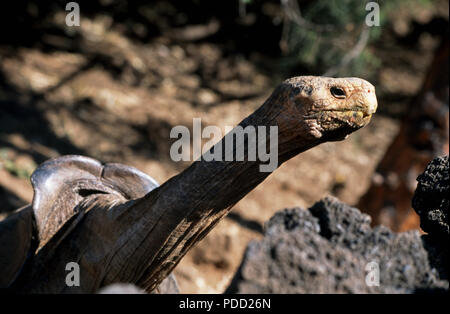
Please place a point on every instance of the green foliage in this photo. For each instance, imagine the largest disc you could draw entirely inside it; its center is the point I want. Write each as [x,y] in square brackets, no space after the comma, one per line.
[336,12]
[16,170]
[329,32]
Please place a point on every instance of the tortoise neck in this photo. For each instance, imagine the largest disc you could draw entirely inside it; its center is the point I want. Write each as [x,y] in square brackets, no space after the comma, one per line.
[185,208]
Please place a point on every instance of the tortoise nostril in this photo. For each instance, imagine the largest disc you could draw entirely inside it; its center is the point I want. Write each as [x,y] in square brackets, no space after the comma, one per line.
[337,92]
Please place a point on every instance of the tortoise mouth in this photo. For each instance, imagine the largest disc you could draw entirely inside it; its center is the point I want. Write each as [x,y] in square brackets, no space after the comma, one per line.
[357,110]
[357,118]
[337,124]
[334,119]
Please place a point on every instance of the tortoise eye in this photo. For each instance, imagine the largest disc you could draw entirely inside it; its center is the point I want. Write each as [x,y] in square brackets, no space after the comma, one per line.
[337,92]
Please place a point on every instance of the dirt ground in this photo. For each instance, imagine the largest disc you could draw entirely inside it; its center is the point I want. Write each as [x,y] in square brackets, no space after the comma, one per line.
[119,101]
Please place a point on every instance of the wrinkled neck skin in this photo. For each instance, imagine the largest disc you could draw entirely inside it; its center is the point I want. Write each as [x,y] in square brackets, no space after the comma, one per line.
[185,208]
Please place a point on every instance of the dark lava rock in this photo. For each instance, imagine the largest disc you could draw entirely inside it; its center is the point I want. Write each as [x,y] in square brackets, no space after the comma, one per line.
[331,248]
[431,198]
[431,202]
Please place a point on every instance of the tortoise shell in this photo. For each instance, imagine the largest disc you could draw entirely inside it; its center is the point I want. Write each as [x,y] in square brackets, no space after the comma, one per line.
[60,185]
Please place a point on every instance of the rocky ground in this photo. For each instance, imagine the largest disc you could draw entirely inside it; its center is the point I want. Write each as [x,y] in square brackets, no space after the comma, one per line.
[331,248]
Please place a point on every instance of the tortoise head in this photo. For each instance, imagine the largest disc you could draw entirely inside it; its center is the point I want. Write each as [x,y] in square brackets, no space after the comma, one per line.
[329,108]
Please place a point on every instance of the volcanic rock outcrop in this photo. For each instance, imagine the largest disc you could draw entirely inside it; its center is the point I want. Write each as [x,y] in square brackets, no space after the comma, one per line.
[331,248]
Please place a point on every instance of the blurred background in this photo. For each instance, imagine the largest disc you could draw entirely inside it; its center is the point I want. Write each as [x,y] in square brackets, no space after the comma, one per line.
[113,87]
